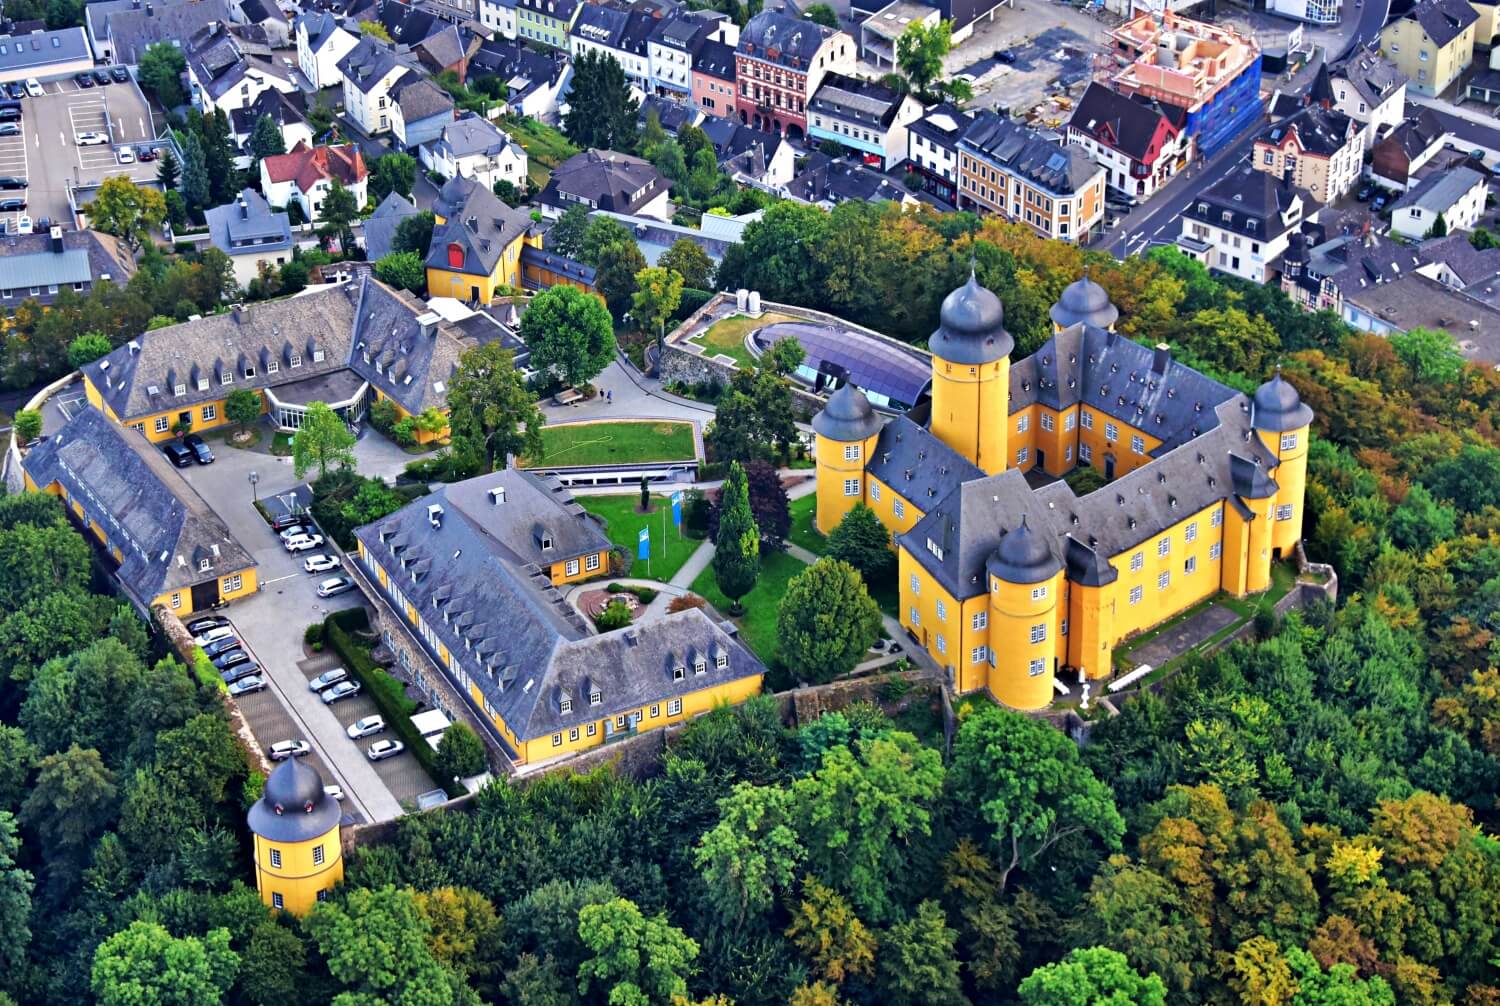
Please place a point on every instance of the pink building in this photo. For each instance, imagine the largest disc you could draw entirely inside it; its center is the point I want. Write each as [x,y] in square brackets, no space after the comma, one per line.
[713,78]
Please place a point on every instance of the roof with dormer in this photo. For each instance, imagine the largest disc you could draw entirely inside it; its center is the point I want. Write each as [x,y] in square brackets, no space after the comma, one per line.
[306,166]
[476,221]
[783,40]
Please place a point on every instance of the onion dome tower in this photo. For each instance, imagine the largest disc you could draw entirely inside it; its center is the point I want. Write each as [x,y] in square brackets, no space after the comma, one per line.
[1282,421]
[1085,301]
[298,859]
[971,376]
[1025,580]
[846,428]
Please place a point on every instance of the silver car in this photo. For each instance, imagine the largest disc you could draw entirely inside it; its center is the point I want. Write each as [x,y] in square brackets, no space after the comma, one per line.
[244,686]
[282,750]
[381,750]
[327,678]
[366,727]
[342,690]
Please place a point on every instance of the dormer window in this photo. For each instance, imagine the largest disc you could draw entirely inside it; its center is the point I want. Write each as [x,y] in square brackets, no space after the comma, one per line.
[179,390]
[595,697]
[546,543]
[226,377]
[272,366]
[679,672]
[317,356]
[565,705]
[249,372]
[296,360]
[721,660]
[700,666]
[205,565]
[202,384]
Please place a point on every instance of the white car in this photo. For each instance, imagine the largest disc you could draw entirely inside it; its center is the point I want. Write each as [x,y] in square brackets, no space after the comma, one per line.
[381,750]
[321,563]
[366,727]
[327,678]
[126,155]
[303,542]
[334,585]
[342,690]
[33,88]
[92,139]
[335,792]
[23,224]
[214,635]
[282,750]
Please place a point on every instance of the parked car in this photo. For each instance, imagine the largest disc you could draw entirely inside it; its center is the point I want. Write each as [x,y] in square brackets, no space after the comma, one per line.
[177,454]
[10,129]
[1365,192]
[205,623]
[239,672]
[321,563]
[16,90]
[302,543]
[1006,56]
[230,658]
[366,727]
[1379,203]
[23,224]
[334,585]
[334,792]
[219,646]
[92,139]
[146,154]
[286,534]
[12,205]
[381,750]
[287,520]
[120,74]
[246,685]
[282,750]
[33,88]
[12,182]
[201,453]
[213,635]
[342,690]
[327,678]
[101,78]
[83,80]
[126,156]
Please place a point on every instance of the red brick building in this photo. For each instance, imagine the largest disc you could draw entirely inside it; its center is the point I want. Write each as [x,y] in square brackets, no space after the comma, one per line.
[780,61]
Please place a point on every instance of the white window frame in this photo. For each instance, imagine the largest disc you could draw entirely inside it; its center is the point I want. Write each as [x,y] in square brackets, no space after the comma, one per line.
[674,707]
[1163,580]
[591,562]
[1164,547]
[1037,668]
[1136,594]
[1039,633]
[851,487]
[162,424]
[980,620]
[570,568]
[851,452]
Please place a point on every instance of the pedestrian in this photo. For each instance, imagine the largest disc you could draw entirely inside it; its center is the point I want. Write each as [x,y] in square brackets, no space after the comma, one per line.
[609,396]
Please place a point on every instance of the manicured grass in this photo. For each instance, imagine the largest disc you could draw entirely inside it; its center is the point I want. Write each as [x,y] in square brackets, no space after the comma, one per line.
[545,146]
[615,443]
[758,623]
[803,533]
[728,336]
[667,554]
[281,444]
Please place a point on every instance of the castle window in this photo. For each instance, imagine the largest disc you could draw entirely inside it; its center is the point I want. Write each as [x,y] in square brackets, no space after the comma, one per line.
[875,492]
[1088,420]
[1037,593]
[935,549]
[595,697]
[565,705]
[1284,512]
[1190,533]
[1039,632]
[913,616]
[1215,551]
[977,654]
[1163,580]
[1136,593]
[573,734]
[1138,445]
[1037,668]
[277,901]
[1068,422]
[557,740]
[851,487]
[591,730]
[1085,453]
[1137,561]
[1063,631]
[1067,454]
[942,645]
[980,620]
[1163,546]
[323,894]
[1289,441]
[176,600]
[317,855]
[942,611]
[1023,424]
[674,708]
[210,413]
[1191,565]
[1111,432]
[1022,455]
[915,584]
[276,858]
[591,562]
[1216,518]
[1047,423]
[899,509]
[162,424]
[851,452]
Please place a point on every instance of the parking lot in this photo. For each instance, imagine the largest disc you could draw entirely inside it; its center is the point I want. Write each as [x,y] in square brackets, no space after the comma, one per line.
[47,153]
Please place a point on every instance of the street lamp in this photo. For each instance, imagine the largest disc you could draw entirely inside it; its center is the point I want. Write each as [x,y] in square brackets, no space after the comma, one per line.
[254,492]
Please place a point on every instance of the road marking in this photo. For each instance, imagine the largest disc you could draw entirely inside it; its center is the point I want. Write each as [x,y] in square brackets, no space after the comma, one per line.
[289,576]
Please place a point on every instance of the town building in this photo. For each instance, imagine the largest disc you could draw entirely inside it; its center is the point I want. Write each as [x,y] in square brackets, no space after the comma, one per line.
[299,858]
[125,29]
[607,180]
[766,161]
[1242,223]
[1457,197]
[476,148]
[932,149]
[1369,89]
[1211,72]
[1323,13]
[713,78]
[380,226]
[267,18]
[864,116]
[44,54]
[251,234]
[1013,590]
[674,44]
[963,14]
[826,182]
[499,16]
[547,21]
[468,578]
[1396,159]
[1432,44]
[1138,142]
[535,80]
[225,73]
[621,34]
[321,43]
[287,111]
[1008,168]
[419,111]
[37,267]
[779,64]
[879,33]
[476,245]
[1315,148]
[304,175]
[370,71]
[168,547]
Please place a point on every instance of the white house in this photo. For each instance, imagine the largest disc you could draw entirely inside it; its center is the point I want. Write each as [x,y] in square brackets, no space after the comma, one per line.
[1370,89]
[475,148]
[1456,195]
[282,109]
[1241,225]
[863,115]
[251,234]
[321,43]
[225,74]
[419,111]
[304,175]
[369,71]
[499,16]
[623,35]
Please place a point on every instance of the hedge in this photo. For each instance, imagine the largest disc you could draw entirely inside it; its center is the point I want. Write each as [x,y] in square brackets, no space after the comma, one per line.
[203,669]
[388,694]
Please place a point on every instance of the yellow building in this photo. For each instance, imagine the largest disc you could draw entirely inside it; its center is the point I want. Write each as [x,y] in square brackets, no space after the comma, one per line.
[476,245]
[1433,43]
[1010,580]
[168,546]
[471,577]
[298,859]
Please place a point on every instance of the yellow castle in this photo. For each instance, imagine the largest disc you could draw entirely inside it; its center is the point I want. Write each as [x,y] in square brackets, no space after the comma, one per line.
[1008,579]
[298,859]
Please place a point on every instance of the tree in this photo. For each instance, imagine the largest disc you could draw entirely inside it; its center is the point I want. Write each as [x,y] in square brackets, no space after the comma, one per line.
[917,964]
[242,407]
[76,699]
[827,621]
[566,235]
[509,193]
[266,141]
[785,355]
[393,172]
[28,425]
[375,30]
[375,944]
[127,210]
[821,13]
[87,348]
[1029,787]
[168,170]
[490,406]
[1088,976]
[569,331]
[615,273]
[657,294]
[600,233]
[863,542]
[1439,228]
[639,961]
[70,802]
[920,51]
[160,71]
[17,757]
[1431,354]
[769,505]
[340,210]
[601,112]
[689,261]
[829,934]
[405,270]
[144,964]
[195,184]
[737,546]
[460,754]
[274,971]
[322,440]
[15,898]
[464,930]
[753,852]
[414,234]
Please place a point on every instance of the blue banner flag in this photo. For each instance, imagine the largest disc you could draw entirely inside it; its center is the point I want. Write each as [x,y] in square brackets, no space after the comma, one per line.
[677,507]
[643,544]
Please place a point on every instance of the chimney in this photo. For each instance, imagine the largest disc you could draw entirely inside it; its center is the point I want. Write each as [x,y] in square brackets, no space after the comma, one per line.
[427,323]
[150,11]
[57,241]
[244,209]
[1160,357]
[435,515]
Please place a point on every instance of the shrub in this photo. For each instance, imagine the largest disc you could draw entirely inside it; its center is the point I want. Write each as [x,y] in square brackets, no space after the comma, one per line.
[614,616]
[686,603]
[313,634]
[205,672]
[405,432]
[460,754]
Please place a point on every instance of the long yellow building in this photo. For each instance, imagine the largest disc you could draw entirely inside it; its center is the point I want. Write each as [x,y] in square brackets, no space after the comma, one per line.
[298,858]
[1008,579]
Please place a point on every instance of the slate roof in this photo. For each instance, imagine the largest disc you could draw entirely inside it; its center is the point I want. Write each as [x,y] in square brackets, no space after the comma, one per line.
[406,23]
[41,49]
[942,125]
[306,166]
[852,99]
[1417,133]
[523,68]
[918,465]
[605,179]
[786,41]
[603,26]
[560,10]
[219,62]
[477,221]
[730,138]
[320,27]
[1467,263]
[672,115]
[1443,20]
[248,225]
[163,528]
[419,98]
[293,806]
[1415,300]
[682,32]
[1372,76]
[134,30]
[1437,193]
[1257,203]
[256,11]
[28,260]
[1055,167]
[380,226]
[715,59]
[443,48]
[1119,122]
[284,109]
[825,180]
[1320,132]
[472,134]
[370,61]
[480,580]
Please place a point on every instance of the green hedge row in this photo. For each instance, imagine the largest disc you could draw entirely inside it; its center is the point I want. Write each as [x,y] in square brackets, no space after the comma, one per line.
[388,694]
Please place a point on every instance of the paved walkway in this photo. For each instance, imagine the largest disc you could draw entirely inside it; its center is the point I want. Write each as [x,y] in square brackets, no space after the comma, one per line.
[681,580]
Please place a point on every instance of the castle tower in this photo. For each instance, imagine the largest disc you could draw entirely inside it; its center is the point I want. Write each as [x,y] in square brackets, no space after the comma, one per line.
[846,430]
[1247,528]
[298,859]
[1282,422]
[1025,581]
[971,376]
[1091,610]
[1086,301]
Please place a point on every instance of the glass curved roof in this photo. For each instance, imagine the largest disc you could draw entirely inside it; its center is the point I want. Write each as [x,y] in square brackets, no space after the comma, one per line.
[871,364]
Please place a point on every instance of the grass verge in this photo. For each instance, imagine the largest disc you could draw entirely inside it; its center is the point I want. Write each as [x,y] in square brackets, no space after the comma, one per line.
[728,336]
[624,525]
[803,509]
[615,443]
[758,623]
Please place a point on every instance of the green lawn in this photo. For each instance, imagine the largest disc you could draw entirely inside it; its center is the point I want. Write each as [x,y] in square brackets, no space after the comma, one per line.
[728,336]
[804,508]
[758,623]
[615,443]
[625,525]
[545,146]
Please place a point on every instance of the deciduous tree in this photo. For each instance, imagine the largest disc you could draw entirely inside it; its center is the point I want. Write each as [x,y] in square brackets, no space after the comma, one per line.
[863,542]
[637,961]
[15,898]
[567,235]
[145,964]
[392,172]
[919,53]
[414,234]
[917,965]
[832,938]
[752,854]
[490,406]
[339,211]
[375,944]
[658,291]
[1089,976]
[127,210]
[569,331]
[242,407]
[321,441]
[689,261]
[615,273]
[160,71]
[827,621]
[405,270]
[460,754]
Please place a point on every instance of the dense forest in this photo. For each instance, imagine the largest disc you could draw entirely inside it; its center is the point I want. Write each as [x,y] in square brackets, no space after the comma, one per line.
[1307,818]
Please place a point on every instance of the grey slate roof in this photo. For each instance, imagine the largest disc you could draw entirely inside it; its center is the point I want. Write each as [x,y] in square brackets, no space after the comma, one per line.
[603,26]
[132,31]
[1443,20]
[479,578]
[942,125]
[1258,204]
[793,41]
[1056,167]
[380,226]
[1320,131]
[477,221]
[917,464]
[1119,121]
[406,23]
[1372,76]
[321,27]
[606,180]
[848,416]
[370,61]
[715,59]
[419,98]
[248,225]
[1438,192]
[161,525]
[41,49]
[293,806]
[823,179]
[472,134]
[284,109]
[852,99]
[560,10]
[31,260]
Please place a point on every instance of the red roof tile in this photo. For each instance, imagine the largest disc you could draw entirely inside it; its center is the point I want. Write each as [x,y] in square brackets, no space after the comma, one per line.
[308,165]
